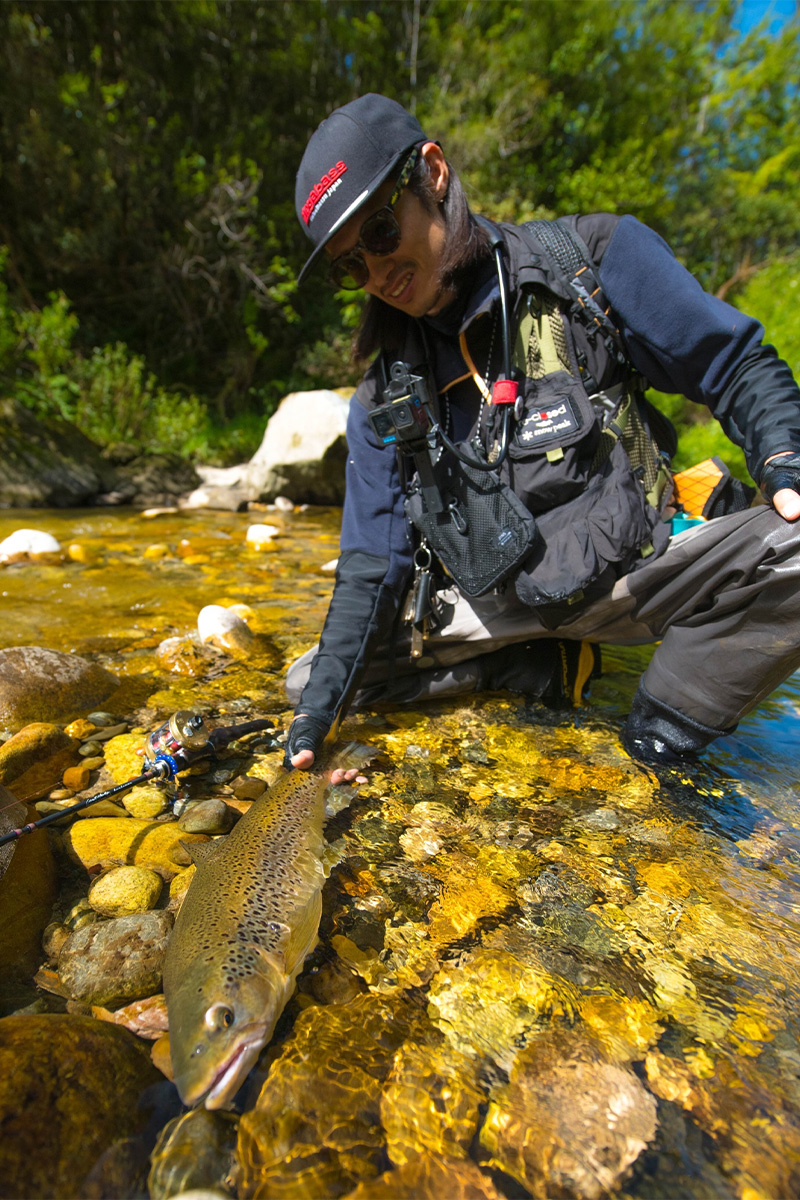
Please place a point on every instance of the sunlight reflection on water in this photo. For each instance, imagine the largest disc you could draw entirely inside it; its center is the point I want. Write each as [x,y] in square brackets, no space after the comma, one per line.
[512,895]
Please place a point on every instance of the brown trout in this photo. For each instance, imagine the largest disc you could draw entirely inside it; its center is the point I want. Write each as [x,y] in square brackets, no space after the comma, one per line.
[249,919]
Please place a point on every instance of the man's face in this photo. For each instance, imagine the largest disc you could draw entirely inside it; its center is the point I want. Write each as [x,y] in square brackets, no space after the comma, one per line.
[408,278]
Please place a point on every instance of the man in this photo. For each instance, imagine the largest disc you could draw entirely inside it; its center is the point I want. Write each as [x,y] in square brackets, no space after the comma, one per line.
[566,429]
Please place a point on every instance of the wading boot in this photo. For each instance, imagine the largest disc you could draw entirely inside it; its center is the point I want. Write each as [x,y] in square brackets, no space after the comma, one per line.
[657,734]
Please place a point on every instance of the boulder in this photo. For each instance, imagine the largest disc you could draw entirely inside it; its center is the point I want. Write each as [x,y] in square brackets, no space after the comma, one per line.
[48,465]
[28,889]
[303,453]
[37,684]
[302,458]
[70,1087]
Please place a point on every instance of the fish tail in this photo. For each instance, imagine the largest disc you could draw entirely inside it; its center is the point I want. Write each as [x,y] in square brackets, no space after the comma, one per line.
[353,755]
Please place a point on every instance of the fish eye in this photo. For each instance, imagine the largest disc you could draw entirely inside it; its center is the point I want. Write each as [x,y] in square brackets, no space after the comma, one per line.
[219,1016]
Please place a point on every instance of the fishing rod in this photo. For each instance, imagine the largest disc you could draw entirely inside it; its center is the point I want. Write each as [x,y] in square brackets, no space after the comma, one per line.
[184,739]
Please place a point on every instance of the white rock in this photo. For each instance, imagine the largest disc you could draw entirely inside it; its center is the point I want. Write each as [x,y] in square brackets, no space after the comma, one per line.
[28,541]
[258,535]
[223,627]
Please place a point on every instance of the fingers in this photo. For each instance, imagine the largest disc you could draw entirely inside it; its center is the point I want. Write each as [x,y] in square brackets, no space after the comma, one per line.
[787,503]
[305,758]
[340,776]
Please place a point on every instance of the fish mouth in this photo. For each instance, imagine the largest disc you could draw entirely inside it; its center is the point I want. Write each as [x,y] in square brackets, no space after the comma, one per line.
[233,1072]
[230,1075]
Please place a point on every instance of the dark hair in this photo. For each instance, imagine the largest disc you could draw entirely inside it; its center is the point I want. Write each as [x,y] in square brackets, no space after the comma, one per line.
[466,244]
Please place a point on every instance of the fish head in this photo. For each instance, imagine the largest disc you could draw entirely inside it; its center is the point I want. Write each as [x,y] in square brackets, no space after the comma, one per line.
[218,1029]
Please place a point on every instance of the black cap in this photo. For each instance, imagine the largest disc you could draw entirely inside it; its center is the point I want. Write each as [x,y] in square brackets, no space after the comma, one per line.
[347,159]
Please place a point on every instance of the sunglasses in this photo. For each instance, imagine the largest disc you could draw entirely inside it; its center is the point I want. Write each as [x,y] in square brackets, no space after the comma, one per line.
[380,234]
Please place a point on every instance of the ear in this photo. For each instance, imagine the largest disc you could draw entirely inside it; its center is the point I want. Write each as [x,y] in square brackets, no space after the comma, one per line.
[438,168]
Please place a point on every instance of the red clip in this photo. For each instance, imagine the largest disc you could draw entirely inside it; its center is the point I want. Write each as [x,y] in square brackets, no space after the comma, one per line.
[504,391]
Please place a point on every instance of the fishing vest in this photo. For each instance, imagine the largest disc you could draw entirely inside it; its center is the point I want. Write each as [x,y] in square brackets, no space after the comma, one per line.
[582,457]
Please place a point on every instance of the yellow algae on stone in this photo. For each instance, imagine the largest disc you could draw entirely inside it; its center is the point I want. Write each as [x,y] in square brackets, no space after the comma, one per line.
[625,1026]
[431,1103]
[493,1003]
[156,551]
[130,842]
[466,896]
[668,878]
[80,729]
[178,887]
[122,760]
[145,802]
[123,891]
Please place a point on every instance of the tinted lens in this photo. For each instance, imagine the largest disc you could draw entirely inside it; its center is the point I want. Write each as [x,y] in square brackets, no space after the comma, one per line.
[380,233]
[349,272]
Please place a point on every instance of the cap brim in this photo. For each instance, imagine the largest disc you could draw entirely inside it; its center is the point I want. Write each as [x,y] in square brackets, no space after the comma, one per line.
[352,208]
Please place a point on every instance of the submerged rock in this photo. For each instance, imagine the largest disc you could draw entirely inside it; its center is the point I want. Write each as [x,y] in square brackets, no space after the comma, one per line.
[111,962]
[45,685]
[315,1129]
[429,1177]
[195,1151]
[69,1087]
[568,1122]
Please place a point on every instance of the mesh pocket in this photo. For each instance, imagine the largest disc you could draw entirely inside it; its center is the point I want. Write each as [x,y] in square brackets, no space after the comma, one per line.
[484,531]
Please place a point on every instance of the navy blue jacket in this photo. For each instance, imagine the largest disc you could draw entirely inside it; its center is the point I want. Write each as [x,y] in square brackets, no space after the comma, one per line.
[679,337]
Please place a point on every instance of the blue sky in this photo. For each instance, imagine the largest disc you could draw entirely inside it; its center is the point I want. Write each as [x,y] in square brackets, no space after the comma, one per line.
[752,12]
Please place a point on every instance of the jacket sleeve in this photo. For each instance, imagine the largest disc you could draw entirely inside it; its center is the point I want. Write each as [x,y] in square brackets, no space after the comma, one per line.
[685,340]
[372,573]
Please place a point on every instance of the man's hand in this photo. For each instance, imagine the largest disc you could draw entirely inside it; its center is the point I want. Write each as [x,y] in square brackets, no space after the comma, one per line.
[306,735]
[780,483]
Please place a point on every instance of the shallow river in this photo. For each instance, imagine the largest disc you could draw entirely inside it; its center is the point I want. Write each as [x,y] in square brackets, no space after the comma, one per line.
[542,972]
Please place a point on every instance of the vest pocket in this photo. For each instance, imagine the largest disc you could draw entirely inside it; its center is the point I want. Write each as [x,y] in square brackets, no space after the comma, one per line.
[603,532]
[553,444]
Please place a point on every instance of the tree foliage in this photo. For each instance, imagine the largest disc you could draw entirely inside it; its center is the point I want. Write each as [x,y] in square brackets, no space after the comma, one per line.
[149,148]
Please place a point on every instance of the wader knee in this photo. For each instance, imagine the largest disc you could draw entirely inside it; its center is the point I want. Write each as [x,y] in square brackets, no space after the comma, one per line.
[656,733]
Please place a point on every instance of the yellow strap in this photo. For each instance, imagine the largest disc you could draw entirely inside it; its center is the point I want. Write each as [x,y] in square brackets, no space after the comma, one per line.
[480,382]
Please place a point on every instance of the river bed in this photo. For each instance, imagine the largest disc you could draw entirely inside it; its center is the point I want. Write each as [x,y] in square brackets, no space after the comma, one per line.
[542,971]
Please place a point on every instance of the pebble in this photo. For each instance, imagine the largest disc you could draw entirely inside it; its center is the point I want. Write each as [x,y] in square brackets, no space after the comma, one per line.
[123,891]
[207,816]
[81,729]
[79,553]
[91,749]
[283,504]
[102,719]
[145,802]
[261,535]
[77,778]
[64,793]
[156,551]
[94,763]
[103,735]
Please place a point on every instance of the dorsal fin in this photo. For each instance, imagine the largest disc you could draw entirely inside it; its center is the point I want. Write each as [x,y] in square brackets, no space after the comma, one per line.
[201,852]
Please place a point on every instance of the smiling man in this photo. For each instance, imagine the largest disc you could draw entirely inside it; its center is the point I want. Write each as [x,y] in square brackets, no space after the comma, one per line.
[509,502]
